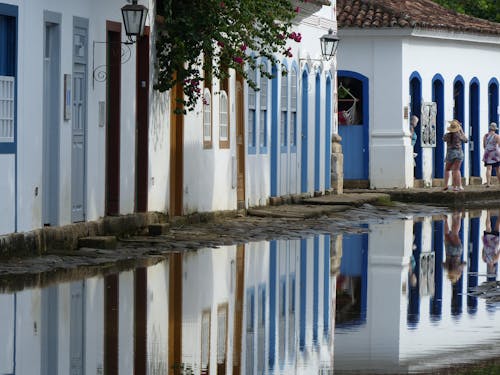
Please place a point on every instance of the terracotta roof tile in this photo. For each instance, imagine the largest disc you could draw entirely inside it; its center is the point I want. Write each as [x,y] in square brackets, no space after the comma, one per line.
[408,14]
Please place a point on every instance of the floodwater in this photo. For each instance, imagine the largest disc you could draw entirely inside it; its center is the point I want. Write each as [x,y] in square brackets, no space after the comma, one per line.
[407,296]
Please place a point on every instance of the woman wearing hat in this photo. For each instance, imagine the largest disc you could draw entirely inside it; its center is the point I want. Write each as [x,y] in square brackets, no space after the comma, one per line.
[454,139]
[491,156]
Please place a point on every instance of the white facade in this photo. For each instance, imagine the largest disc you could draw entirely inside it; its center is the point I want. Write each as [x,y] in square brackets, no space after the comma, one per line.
[75,152]
[389,58]
[25,171]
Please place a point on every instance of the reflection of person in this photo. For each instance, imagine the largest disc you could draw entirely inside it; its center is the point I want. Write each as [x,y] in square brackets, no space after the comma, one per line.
[454,155]
[491,156]
[453,247]
[491,242]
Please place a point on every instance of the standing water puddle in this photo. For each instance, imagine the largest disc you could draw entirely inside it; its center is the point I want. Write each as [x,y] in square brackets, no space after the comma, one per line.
[408,296]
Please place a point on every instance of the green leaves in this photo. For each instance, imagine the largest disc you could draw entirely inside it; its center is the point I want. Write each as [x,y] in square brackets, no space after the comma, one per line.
[235,33]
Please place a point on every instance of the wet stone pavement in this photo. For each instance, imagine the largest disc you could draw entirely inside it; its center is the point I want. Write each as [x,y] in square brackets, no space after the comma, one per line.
[281,222]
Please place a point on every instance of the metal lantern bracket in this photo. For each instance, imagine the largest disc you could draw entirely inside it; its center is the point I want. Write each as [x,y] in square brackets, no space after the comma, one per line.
[134,19]
[99,72]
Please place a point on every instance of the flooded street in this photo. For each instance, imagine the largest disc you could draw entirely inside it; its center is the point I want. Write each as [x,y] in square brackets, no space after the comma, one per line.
[408,295]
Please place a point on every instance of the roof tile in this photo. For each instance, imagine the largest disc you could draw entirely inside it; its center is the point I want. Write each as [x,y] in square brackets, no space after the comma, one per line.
[408,14]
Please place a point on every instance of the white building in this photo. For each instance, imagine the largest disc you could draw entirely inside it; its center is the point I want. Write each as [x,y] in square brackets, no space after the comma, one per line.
[84,135]
[68,143]
[393,57]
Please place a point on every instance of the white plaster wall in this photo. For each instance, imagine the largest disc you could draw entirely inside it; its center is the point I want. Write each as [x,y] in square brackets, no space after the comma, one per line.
[30,110]
[7,319]
[209,281]
[7,194]
[157,317]
[208,173]
[28,343]
[126,321]
[94,324]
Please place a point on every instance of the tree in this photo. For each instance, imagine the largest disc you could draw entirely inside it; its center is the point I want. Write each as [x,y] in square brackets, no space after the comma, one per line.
[486,9]
[215,35]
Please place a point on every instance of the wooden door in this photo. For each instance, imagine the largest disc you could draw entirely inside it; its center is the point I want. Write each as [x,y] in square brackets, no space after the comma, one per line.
[240,144]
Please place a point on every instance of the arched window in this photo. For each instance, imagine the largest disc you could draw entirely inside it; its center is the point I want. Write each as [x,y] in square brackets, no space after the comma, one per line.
[223,121]
[207,118]
[284,113]
[264,93]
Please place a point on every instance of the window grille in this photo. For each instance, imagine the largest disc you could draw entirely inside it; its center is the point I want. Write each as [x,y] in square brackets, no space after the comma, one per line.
[207,116]
[7,85]
[263,110]
[223,117]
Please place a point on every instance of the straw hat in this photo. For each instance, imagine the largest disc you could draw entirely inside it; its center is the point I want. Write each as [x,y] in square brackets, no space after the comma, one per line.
[455,126]
[493,126]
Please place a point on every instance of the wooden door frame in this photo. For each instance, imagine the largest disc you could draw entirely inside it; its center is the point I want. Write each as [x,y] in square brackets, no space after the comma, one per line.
[112,176]
[176,153]
[142,123]
[240,144]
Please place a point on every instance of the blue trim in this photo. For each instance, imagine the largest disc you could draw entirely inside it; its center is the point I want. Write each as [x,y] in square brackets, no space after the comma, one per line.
[436,302]
[252,146]
[474,124]
[438,97]
[272,302]
[293,140]
[493,100]
[473,265]
[459,106]
[284,79]
[326,285]
[315,290]
[458,287]
[328,131]
[415,109]
[413,311]
[304,131]
[303,286]
[366,115]
[317,131]
[14,351]
[364,277]
[274,132]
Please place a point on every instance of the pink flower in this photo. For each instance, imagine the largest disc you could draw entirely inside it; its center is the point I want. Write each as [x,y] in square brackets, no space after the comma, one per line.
[243,47]
[238,60]
[288,52]
[220,44]
[297,10]
[222,4]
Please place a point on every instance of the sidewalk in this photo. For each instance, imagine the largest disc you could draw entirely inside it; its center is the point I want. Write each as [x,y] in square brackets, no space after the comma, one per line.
[69,238]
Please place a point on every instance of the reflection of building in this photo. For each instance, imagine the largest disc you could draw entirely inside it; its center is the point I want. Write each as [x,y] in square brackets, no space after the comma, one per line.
[406,323]
[264,307]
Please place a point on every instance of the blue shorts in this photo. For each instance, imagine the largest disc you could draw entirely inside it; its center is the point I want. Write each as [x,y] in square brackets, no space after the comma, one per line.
[454,154]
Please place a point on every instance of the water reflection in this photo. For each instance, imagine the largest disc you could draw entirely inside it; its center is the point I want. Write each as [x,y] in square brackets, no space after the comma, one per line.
[386,301]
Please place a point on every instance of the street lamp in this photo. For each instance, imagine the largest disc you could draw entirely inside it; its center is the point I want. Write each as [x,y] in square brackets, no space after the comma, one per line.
[329,43]
[134,19]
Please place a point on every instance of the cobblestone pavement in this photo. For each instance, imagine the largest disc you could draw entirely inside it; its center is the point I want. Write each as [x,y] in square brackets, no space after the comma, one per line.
[145,250]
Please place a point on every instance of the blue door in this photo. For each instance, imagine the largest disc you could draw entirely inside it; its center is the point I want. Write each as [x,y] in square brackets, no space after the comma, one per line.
[474,136]
[438,97]
[304,131]
[354,123]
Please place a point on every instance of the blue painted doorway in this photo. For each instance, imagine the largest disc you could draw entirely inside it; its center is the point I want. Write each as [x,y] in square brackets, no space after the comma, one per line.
[354,123]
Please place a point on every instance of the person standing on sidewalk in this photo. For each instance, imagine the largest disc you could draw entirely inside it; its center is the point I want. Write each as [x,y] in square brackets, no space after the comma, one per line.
[454,139]
[491,156]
